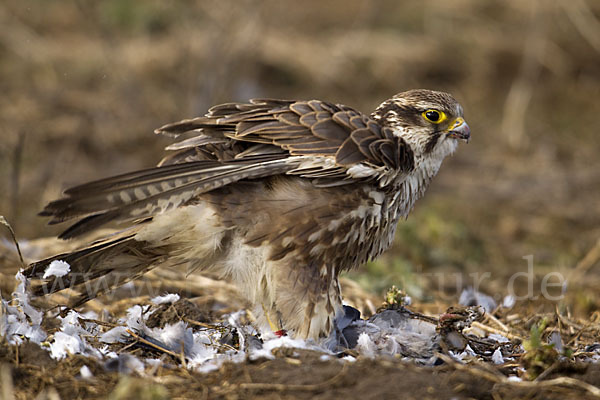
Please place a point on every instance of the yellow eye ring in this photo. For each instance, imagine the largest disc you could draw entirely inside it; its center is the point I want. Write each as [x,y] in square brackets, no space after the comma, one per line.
[434,116]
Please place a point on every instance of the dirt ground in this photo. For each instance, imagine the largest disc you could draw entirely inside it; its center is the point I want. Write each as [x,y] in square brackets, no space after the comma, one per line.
[28,371]
[304,376]
[530,369]
[84,84]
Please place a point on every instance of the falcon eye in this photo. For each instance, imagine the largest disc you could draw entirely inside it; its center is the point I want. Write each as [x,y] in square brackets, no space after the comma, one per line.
[434,116]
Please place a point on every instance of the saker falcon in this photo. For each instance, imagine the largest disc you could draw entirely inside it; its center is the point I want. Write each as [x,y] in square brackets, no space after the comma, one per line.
[276,196]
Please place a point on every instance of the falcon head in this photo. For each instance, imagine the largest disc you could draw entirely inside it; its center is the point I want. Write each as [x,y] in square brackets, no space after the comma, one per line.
[430,122]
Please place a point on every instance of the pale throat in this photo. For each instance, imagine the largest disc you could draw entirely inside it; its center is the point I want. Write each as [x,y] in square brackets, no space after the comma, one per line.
[426,167]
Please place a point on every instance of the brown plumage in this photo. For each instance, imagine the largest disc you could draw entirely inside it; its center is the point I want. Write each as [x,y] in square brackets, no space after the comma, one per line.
[277,196]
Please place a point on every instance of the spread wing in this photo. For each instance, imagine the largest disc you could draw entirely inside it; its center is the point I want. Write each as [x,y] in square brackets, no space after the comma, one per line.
[330,144]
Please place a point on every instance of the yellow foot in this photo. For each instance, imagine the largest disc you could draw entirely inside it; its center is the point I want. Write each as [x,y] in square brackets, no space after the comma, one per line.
[274,327]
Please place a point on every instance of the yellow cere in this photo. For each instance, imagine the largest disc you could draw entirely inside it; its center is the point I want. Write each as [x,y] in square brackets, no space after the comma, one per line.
[457,122]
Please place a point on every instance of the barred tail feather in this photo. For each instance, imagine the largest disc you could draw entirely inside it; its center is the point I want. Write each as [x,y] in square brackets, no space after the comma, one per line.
[96,269]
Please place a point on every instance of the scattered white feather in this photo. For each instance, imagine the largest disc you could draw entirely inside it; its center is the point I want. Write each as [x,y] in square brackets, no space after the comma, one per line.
[472,297]
[498,338]
[107,353]
[15,327]
[205,357]
[212,364]
[22,297]
[57,268]
[202,348]
[21,321]
[134,318]
[168,298]
[556,340]
[234,320]
[65,344]
[198,347]
[365,345]
[90,315]
[85,372]
[466,353]
[396,334]
[153,362]
[128,285]
[71,338]
[135,364]
[284,341]
[497,357]
[509,301]
[383,335]
[71,325]
[457,356]
[115,335]
[469,351]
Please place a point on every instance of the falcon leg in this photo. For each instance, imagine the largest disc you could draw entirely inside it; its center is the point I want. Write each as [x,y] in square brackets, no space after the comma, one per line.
[276,328]
[306,304]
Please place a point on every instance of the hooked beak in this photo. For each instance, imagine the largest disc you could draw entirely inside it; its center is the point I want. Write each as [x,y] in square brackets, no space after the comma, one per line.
[459,130]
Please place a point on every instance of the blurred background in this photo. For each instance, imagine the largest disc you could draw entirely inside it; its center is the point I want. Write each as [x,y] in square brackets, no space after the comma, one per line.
[84,83]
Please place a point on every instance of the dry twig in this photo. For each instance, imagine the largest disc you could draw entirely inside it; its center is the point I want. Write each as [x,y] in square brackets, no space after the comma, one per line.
[4,222]
[490,329]
[497,322]
[153,345]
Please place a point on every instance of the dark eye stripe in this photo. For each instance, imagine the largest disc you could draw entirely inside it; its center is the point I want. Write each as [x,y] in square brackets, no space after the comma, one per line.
[432,141]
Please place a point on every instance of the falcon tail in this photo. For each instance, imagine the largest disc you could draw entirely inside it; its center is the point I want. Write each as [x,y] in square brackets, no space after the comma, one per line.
[96,269]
